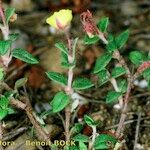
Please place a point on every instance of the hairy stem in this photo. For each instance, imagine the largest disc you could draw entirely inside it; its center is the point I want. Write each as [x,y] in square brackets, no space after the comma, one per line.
[5,32]
[6,60]
[122,62]
[67,123]
[1,134]
[91,143]
[69,91]
[124,112]
[114,84]
[93,136]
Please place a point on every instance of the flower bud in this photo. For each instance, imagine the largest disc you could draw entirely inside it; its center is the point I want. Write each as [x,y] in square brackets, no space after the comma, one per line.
[61,19]
[13,18]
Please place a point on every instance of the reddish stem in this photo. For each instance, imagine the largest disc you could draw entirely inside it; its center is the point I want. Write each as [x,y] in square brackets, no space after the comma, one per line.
[69,91]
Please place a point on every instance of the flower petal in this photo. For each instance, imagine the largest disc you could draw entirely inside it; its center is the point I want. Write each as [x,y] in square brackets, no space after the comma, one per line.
[60,19]
[52,21]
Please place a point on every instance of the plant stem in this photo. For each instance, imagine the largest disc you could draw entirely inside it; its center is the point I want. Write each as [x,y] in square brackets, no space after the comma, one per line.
[69,91]
[114,84]
[126,98]
[124,112]
[93,136]
[5,31]
[122,62]
[26,107]
[68,108]
[37,126]
[67,122]
[1,130]
[1,134]
[91,143]
[28,110]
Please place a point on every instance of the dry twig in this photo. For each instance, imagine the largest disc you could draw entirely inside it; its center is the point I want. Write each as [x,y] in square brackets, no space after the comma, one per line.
[137,131]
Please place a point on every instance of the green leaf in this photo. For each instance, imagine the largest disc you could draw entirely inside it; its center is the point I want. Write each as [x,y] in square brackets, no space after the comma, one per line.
[112,96]
[4,102]
[81,138]
[8,13]
[64,58]
[13,37]
[21,82]
[57,77]
[149,55]
[103,76]
[102,62]
[146,73]
[64,61]
[62,47]
[67,65]
[54,147]
[110,37]
[24,56]
[122,85]
[122,38]
[3,114]
[111,46]
[118,71]
[136,57]
[10,111]
[88,40]
[4,46]
[9,94]
[46,113]
[77,128]
[89,121]
[104,141]
[103,24]
[82,83]
[82,146]
[59,102]
[73,147]
[148,83]
[1,74]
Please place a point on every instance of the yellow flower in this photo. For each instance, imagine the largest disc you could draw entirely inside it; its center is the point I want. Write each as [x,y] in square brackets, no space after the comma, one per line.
[60,19]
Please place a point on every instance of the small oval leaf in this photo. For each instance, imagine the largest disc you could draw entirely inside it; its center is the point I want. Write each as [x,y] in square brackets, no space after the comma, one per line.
[101,142]
[89,121]
[103,24]
[4,46]
[4,102]
[62,47]
[57,77]
[8,13]
[21,82]
[102,62]
[118,71]
[82,83]
[137,57]
[3,114]
[92,40]
[122,38]
[81,138]
[112,96]
[24,56]
[59,102]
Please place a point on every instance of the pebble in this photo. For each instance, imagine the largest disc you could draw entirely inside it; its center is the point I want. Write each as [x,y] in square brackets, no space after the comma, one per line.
[142,84]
